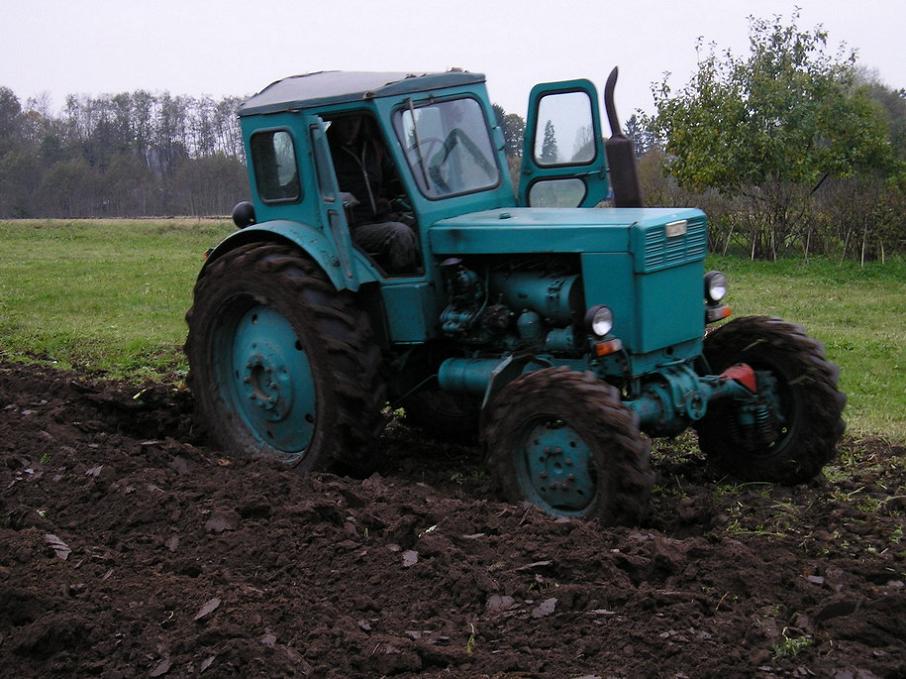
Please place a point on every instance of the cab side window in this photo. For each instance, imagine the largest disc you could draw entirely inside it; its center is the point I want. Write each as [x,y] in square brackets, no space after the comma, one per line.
[276,169]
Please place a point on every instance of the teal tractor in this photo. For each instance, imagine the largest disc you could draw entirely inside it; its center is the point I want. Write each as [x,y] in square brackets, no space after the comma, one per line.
[559,334]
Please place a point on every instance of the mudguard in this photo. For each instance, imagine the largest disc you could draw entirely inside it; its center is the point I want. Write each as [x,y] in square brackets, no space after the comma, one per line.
[311,240]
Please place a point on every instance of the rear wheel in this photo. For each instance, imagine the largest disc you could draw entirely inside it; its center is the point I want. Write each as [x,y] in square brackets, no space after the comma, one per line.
[281,364]
[792,429]
[563,441]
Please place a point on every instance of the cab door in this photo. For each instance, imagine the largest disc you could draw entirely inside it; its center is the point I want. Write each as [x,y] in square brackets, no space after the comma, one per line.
[332,210]
[563,149]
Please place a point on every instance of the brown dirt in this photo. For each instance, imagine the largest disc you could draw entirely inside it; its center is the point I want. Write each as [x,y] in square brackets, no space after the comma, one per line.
[180,562]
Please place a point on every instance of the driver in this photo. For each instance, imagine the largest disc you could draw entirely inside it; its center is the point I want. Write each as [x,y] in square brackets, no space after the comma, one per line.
[365,170]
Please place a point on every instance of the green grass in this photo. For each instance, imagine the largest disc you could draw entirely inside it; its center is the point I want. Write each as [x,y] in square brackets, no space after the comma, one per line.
[101,295]
[110,295]
[859,315]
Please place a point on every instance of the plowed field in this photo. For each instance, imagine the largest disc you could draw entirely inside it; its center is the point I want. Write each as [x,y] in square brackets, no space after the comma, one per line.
[129,548]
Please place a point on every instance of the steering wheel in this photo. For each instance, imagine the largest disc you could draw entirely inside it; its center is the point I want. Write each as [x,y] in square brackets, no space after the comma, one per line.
[426,146]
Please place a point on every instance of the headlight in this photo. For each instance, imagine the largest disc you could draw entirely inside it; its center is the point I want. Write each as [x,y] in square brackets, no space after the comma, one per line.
[599,320]
[715,286]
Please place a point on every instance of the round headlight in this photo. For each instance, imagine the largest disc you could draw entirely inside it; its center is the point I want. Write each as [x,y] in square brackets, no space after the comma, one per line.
[599,320]
[715,286]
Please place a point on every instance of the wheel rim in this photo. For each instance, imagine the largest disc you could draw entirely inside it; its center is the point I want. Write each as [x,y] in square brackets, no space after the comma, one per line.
[265,378]
[554,468]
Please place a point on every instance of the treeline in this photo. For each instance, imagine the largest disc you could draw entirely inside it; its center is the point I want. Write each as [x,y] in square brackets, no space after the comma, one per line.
[128,154]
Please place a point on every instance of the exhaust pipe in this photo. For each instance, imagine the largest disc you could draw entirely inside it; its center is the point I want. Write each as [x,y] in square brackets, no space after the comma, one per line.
[624,180]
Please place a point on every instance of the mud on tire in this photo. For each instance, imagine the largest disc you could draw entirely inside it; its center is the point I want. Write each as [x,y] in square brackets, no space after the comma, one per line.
[810,403]
[582,405]
[331,331]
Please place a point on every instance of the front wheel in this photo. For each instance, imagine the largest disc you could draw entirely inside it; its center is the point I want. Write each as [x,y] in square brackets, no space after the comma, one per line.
[791,429]
[281,363]
[563,441]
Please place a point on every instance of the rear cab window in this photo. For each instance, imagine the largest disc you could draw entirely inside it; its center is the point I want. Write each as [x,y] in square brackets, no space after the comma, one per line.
[276,169]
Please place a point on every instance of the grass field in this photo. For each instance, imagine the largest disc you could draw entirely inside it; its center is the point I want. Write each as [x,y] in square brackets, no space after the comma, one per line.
[101,295]
[110,296]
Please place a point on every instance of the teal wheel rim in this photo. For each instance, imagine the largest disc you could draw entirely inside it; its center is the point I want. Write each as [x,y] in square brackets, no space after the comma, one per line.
[265,378]
[555,469]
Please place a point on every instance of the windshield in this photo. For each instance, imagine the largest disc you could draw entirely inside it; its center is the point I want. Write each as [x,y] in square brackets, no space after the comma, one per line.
[448,147]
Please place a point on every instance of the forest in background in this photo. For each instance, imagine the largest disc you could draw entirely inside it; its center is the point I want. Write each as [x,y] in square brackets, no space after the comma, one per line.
[121,155]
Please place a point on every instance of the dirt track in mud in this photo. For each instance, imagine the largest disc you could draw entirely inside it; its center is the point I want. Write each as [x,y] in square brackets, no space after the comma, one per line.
[179,562]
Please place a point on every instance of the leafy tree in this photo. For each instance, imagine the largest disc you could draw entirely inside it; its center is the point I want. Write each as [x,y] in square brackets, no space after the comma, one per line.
[550,154]
[893,103]
[772,126]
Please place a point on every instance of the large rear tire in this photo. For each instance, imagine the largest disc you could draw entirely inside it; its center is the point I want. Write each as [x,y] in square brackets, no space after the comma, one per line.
[795,431]
[282,364]
[564,441]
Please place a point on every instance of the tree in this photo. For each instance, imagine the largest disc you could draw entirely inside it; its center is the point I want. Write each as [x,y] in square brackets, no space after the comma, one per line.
[499,114]
[10,119]
[550,154]
[513,132]
[638,131]
[513,126]
[771,127]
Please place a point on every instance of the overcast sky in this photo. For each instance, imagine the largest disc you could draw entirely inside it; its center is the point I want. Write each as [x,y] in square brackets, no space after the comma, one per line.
[229,47]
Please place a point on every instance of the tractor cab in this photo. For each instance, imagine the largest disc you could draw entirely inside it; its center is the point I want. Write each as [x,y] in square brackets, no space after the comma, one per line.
[433,152]
[435,143]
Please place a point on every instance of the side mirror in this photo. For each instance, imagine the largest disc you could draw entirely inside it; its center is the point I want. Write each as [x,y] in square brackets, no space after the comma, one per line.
[243,214]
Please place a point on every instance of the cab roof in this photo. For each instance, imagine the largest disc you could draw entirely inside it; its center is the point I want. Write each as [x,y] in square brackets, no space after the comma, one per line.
[336,87]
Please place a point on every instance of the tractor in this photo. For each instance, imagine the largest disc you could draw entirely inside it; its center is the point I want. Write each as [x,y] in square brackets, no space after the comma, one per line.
[556,321]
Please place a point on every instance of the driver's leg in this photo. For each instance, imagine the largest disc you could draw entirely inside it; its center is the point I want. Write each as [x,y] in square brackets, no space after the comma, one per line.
[394,240]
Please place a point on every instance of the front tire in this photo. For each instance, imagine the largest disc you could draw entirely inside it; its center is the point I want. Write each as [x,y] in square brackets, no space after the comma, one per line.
[564,441]
[798,432]
[281,363]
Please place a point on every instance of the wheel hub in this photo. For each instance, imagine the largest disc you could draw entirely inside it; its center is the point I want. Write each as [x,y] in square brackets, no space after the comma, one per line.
[558,466]
[266,384]
[270,381]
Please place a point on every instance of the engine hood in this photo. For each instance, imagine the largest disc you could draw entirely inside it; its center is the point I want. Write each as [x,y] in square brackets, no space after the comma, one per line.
[553,230]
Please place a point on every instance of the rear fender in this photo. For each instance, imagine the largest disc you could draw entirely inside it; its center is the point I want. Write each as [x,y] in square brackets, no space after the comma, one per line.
[309,239]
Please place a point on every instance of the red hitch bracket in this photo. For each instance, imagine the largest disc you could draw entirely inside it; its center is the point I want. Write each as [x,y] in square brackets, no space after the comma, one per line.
[742,373]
